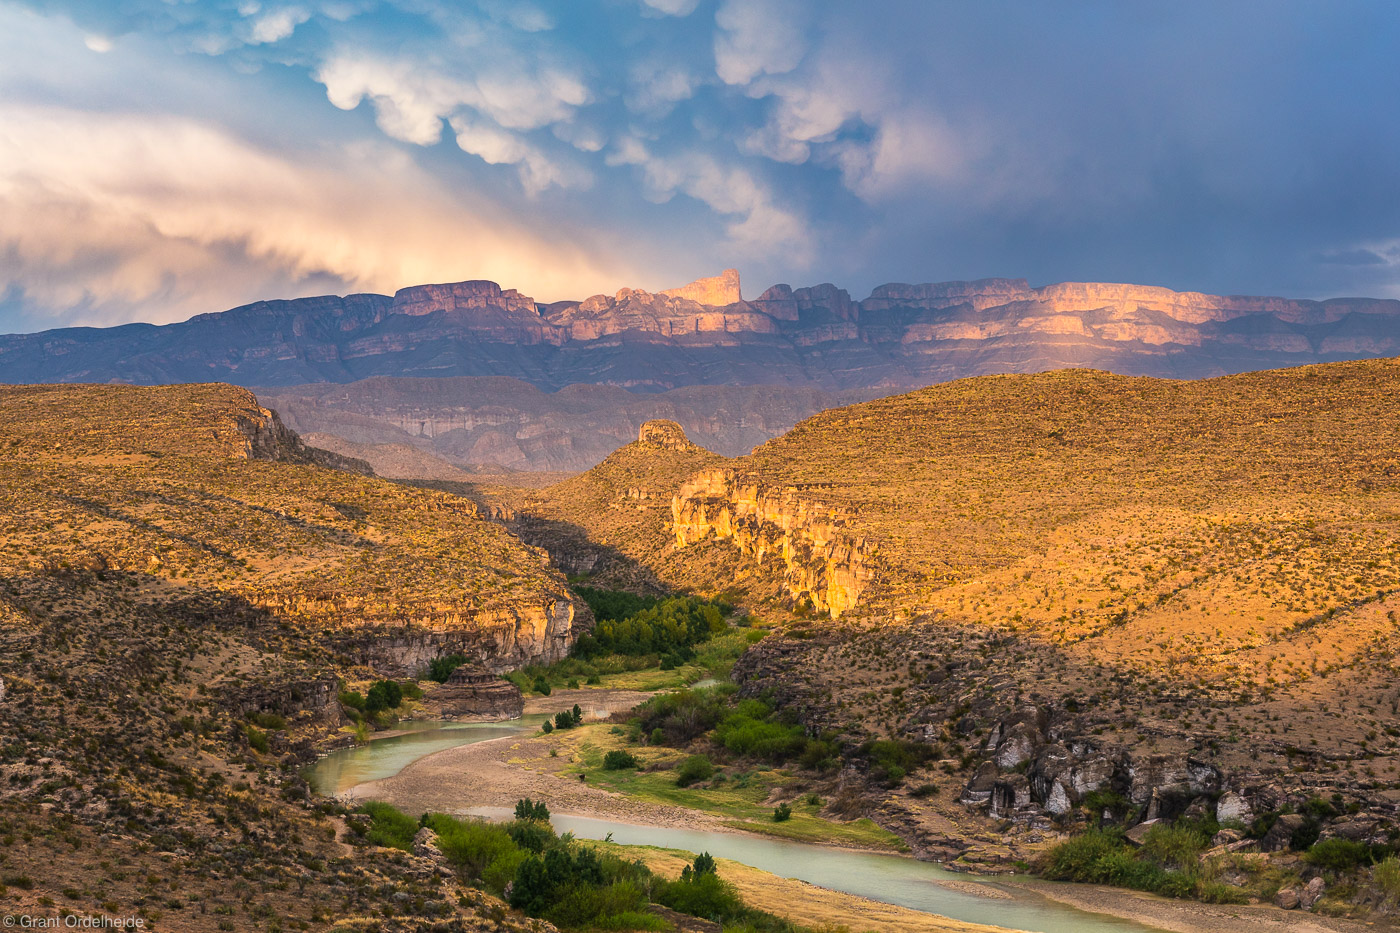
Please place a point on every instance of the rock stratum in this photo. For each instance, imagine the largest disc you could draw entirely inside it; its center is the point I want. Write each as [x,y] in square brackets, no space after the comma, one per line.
[456,427]
[705,334]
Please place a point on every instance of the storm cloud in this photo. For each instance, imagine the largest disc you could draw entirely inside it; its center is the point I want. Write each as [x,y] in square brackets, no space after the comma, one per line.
[159,160]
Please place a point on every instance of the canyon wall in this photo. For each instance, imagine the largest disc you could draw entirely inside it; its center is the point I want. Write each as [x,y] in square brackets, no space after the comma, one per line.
[823,560]
[901,336]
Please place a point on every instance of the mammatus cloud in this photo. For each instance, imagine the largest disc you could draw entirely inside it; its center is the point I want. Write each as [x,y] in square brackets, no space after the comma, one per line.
[757,226]
[758,37]
[179,218]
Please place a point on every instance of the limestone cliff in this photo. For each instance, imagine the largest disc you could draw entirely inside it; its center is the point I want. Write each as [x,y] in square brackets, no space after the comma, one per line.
[722,289]
[900,336]
[824,560]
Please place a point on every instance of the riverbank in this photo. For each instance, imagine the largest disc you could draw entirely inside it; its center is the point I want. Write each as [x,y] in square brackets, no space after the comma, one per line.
[498,772]
[1179,916]
[808,904]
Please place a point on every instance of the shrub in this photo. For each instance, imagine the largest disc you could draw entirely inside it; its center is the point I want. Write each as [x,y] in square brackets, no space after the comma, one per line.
[1386,876]
[547,727]
[389,827]
[476,846]
[619,760]
[782,813]
[541,686]
[593,679]
[701,894]
[269,720]
[353,699]
[527,809]
[891,760]
[1177,847]
[257,739]
[694,769]
[441,668]
[531,835]
[1338,854]
[383,694]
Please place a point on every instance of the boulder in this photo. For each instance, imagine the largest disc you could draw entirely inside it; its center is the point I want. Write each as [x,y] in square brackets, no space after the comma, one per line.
[1139,832]
[1017,746]
[472,691]
[1287,898]
[1311,893]
[425,844]
[1278,836]
[1010,794]
[979,789]
[1174,774]
[1232,807]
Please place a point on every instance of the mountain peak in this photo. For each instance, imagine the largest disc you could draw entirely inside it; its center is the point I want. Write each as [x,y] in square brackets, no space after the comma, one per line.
[722,289]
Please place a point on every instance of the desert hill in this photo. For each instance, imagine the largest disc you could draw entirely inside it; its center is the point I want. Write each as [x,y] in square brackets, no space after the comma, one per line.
[185,587]
[1075,582]
[201,486]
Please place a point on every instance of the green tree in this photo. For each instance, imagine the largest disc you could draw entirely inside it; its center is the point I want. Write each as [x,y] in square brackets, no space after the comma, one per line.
[527,809]
[383,694]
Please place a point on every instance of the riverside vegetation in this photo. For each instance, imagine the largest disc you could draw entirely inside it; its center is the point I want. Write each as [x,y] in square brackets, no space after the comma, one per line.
[573,884]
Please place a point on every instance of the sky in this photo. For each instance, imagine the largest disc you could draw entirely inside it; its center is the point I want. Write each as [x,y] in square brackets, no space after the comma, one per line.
[164,158]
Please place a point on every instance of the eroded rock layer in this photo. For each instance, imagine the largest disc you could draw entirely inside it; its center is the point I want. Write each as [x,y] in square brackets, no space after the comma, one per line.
[825,562]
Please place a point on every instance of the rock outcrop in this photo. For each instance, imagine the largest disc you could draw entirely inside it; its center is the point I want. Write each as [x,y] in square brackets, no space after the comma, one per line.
[824,561]
[473,692]
[722,289]
[499,638]
[663,433]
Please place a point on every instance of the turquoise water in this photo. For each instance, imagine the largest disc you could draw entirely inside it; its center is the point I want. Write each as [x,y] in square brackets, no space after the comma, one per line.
[381,758]
[887,878]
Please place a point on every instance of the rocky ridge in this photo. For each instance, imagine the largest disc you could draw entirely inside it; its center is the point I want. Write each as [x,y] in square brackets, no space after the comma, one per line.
[706,334]
[451,427]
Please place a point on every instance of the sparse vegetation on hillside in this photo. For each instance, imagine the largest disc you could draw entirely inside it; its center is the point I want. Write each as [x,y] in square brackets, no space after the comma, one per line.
[176,624]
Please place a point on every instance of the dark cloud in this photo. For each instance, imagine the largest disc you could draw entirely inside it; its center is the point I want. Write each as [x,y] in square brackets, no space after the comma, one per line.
[1212,146]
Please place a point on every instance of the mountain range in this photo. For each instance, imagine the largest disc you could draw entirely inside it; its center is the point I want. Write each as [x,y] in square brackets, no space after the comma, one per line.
[518,364]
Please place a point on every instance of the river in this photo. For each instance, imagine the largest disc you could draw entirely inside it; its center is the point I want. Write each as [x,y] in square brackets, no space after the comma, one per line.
[887,878]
